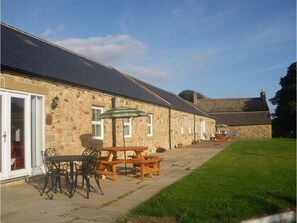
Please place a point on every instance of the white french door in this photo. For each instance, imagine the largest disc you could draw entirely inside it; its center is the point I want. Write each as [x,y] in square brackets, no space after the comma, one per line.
[18,135]
[203,130]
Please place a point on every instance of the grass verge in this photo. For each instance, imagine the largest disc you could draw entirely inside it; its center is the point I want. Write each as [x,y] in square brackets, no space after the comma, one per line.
[248,179]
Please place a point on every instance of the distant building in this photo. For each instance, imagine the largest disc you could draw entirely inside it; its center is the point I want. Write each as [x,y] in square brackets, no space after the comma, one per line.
[248,117]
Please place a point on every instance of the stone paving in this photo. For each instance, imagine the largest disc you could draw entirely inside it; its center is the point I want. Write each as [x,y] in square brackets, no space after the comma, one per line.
[22,202]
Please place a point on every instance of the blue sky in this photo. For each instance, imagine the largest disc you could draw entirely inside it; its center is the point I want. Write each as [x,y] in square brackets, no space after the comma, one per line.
[220,48]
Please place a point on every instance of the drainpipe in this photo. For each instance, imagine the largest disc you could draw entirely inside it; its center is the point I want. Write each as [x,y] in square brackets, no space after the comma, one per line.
[113,121]
[194,128]
[169,113]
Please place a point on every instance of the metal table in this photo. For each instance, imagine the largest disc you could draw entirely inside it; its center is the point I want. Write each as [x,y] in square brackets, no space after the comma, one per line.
[71,159]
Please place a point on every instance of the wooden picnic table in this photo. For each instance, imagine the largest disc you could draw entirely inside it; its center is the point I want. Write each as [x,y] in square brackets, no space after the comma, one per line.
[147,165]
[113,151]
[222,137]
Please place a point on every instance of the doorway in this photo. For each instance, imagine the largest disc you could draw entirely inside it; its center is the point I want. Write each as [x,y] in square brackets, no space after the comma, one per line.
[18,135]
[203,130]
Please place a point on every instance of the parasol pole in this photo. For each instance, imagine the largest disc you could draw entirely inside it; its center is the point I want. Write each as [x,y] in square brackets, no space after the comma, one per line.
[124,145]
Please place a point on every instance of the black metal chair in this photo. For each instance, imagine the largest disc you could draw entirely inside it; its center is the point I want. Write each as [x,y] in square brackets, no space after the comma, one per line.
[50,152]
[88,169]
[53,171]
[54,174]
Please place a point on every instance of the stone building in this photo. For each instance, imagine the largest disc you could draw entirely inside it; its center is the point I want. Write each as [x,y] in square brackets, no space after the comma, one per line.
[50,97]
[247,117]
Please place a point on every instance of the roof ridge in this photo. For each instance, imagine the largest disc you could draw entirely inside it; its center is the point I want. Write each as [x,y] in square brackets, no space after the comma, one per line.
[227,112]
[210,99]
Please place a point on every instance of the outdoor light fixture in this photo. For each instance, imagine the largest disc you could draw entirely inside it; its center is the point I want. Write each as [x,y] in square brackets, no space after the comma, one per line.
[55,102]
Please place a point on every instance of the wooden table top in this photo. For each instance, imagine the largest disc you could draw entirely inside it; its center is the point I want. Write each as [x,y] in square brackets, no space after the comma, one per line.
[127,148]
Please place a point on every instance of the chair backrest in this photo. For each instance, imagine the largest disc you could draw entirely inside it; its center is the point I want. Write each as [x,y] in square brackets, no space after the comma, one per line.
[91,152]
[90,166]
[50,152]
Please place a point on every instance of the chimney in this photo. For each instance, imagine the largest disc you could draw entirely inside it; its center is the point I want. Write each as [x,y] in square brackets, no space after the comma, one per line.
[263,95]
[195,98]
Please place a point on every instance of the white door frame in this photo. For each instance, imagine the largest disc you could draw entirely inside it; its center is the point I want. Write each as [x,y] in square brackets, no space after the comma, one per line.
[202,130]
[6,172]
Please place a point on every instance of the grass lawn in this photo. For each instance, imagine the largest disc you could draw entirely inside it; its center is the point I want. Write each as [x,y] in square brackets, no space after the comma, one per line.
[248,179]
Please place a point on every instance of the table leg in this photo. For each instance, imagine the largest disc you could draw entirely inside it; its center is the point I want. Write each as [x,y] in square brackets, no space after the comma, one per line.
[72,185]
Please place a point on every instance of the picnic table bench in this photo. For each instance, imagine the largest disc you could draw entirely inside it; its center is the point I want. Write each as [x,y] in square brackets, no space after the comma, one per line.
[151,164]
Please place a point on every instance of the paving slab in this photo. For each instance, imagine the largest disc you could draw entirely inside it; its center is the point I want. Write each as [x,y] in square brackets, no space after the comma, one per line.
[22,202]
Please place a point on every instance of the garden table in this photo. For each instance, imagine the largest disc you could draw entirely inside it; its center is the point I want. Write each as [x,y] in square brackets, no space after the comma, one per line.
[70,159]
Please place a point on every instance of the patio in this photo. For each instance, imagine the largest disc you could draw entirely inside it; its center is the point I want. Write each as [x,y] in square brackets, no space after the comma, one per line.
[23,203]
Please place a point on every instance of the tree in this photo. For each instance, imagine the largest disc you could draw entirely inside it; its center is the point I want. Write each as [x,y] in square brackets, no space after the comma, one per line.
[284,118]
[188,95]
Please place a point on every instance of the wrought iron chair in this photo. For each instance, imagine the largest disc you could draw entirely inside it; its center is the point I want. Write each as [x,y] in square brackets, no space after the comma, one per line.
[54,173]
[88,169]
[50,152]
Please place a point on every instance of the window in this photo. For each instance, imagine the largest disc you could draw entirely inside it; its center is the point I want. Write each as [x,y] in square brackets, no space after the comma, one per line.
[97,124]
[127,127]
[150,125]
[29,42]
[36,130]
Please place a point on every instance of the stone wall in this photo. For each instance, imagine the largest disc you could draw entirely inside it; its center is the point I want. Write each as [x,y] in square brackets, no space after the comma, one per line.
[68,127]
[186,128]
[252,131]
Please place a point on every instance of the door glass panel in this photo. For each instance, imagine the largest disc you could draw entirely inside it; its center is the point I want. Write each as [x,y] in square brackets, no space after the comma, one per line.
[1,133]
[36,131]
[17,133]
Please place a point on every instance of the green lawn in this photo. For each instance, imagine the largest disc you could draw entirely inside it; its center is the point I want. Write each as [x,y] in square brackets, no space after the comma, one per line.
[248,179]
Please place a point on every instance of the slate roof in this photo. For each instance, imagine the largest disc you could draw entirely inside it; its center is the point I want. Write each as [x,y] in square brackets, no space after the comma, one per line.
[243,118]
[33,56]
[175,101]
[233,104]
[237,111]
[27,54]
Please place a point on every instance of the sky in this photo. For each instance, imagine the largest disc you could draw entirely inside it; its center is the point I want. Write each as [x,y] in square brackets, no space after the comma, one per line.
[219,48]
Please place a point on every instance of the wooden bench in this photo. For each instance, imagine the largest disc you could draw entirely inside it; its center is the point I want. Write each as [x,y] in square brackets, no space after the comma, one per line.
[148,166]
[222,137]
[107,167]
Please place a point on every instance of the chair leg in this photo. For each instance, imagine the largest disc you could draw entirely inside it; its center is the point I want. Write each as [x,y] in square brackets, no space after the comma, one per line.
[98,183]
[87,177]
[45,184]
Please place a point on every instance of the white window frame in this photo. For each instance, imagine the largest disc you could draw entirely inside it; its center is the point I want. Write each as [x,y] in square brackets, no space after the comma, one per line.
[150,125]
[99,122]
[127,122]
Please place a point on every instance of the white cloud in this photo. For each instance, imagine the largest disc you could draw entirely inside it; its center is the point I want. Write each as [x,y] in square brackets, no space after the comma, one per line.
[149,75]
[46,33]
[106,49]
[52,33]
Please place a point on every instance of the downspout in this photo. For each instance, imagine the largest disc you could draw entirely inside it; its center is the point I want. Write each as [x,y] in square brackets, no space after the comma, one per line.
[114,135]
[169,120]
[194,129]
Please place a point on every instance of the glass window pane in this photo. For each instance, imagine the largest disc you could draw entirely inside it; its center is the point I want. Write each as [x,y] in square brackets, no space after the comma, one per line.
[98,112]
[93,115]
[126,130]
[36,131]
[17,133]
[98,130]
[93,130]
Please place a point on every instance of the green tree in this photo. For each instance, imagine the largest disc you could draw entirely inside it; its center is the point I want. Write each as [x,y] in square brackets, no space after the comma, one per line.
[284,118]
[188,95]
